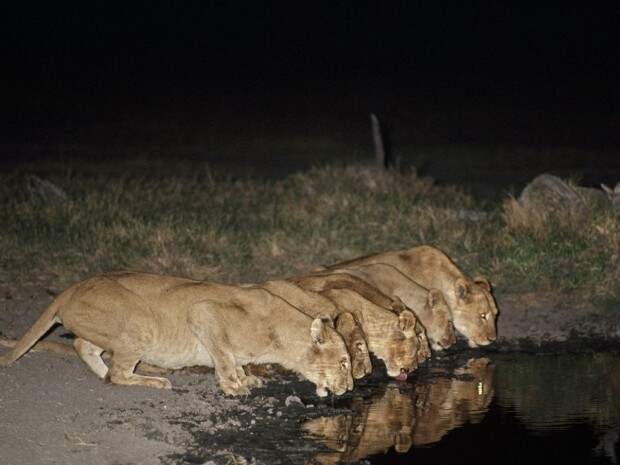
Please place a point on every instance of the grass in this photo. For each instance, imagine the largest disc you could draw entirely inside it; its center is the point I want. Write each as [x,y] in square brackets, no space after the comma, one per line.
[189,221]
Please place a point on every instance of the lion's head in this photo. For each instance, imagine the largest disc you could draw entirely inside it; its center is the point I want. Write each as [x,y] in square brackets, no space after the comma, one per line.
[441,331]
[475,312]
[355,341]
[327,361]
[397,344]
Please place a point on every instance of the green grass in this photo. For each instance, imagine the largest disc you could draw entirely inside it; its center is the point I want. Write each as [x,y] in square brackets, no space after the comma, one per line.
[194,223]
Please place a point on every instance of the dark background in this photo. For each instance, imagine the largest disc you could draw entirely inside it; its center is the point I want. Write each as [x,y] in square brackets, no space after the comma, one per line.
[438,75]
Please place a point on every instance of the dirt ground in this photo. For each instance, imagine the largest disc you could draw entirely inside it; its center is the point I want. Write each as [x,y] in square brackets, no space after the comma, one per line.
[54,411]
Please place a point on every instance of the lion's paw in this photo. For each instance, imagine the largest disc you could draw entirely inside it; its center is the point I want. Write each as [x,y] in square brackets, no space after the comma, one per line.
[235,390]
[252,381]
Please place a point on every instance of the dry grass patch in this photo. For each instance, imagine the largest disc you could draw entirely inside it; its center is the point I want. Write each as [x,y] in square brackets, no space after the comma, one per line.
[194,223]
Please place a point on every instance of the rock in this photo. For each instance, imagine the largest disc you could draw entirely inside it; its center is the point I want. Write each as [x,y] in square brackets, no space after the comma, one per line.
[613,195]
[551,194]
[292,400]
[45,189]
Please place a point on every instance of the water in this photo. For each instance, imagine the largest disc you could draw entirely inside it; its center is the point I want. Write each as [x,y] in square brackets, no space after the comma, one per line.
[501,409]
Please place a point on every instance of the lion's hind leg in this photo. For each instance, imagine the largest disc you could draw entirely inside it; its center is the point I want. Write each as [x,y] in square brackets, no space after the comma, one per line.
[122,372]
[91,355]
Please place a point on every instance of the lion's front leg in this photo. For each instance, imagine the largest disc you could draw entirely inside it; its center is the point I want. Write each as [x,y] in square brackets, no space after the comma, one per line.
[206,326]
[228,376]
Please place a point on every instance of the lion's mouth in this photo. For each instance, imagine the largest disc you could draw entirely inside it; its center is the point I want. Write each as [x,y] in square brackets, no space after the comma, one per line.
[401,377]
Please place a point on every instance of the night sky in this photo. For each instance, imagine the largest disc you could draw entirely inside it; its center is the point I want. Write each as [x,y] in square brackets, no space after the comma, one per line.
[70,64]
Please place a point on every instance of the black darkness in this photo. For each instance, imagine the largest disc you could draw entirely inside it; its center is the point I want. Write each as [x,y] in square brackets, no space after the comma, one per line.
[512,75]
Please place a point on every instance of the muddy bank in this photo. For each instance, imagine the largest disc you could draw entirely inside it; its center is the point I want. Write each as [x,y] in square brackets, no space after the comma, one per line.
[551,322]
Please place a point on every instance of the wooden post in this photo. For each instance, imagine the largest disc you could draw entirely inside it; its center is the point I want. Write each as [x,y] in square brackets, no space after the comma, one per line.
[377,138]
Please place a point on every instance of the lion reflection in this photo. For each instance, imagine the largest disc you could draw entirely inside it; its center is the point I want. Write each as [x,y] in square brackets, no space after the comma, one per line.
[401,420]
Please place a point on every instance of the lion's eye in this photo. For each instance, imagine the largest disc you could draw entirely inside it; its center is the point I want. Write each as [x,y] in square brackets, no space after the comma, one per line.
[343,365]
[483,316]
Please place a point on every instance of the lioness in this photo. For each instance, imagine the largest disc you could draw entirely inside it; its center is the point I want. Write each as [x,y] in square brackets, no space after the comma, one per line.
[315,305]
[472,306]
[174,322]
[429,306]
[394,338]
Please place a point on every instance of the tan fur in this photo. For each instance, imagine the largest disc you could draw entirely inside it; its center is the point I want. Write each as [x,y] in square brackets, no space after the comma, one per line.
[392,337]
[340,279]
[315,305]
[174,322]
[429,306]
[473,308]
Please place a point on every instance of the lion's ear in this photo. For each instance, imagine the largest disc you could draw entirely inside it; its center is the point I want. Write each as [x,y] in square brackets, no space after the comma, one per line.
[434,298]
[327,319]
[345,322]
[318,331]
[484,282]
[462,288]
[407,321]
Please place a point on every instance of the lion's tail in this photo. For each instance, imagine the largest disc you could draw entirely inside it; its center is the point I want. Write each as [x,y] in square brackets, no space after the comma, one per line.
[42,346]
[36,331]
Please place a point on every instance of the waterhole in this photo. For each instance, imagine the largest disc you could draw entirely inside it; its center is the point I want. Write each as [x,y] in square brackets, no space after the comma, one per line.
[460,409]
[500,409]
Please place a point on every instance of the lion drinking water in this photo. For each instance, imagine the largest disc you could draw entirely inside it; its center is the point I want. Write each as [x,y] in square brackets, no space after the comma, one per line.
[174,322]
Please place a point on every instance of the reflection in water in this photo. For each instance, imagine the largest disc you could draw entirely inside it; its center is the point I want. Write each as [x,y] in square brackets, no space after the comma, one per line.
[399,420]
[449,403]
[521,408]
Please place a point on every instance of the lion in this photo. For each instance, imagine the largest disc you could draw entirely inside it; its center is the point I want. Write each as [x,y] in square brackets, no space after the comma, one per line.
[172,322]
[429,305]
[315,305]
[395,338]
[471,303]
